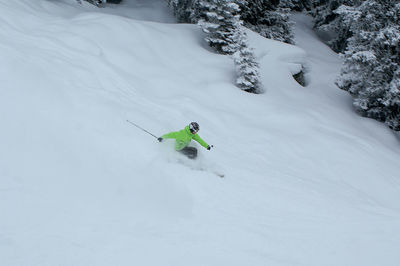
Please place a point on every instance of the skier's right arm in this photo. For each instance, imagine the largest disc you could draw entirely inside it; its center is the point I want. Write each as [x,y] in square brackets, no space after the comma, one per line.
[171,135]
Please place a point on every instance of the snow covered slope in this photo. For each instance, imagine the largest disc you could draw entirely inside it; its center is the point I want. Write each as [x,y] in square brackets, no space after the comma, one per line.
[307,181]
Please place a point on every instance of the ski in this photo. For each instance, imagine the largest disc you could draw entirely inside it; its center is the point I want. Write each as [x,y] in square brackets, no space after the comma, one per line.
[219,174]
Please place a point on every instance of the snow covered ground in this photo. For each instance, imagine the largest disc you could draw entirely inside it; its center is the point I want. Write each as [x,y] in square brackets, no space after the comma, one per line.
[307,181]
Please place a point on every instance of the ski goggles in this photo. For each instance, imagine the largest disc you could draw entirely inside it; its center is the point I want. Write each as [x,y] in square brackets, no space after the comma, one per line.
[193,130]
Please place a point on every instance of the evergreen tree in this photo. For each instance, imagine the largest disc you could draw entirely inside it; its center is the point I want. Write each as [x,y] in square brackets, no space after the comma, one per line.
[296,5]
[322,11]
[371,71]
[183,9]
[98,3]
[248,78]
[220,20]
[269,18]
[331,17]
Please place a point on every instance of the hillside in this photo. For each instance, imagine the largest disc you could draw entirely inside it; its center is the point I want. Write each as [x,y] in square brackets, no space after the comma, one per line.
[307,181]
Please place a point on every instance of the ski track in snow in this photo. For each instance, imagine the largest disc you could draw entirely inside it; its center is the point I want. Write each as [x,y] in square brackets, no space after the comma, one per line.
[307,181]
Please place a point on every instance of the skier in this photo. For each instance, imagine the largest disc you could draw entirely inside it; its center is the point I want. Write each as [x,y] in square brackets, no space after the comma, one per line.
[183,138]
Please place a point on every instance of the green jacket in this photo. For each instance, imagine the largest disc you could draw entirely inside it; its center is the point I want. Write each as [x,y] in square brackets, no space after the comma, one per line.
[183,138]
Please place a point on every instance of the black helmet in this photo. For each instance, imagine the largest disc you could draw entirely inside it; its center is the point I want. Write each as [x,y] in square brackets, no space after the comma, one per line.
[194,127]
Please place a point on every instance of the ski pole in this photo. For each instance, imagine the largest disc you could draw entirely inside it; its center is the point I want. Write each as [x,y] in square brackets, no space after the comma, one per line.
[142,129]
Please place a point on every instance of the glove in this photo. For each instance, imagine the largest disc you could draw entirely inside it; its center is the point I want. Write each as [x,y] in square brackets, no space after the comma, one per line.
[160,139]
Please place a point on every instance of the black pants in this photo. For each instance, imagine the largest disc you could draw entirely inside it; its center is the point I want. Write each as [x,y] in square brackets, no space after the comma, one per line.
[190,152]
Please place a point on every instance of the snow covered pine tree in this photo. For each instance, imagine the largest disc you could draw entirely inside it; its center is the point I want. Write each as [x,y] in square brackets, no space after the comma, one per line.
[220,19]
[270,18]
[333,24]
[98,3]
[248,78]
[371,71]
[184,10]
[297,5]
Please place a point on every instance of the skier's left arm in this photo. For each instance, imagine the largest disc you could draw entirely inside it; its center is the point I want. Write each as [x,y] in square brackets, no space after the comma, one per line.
[201,141]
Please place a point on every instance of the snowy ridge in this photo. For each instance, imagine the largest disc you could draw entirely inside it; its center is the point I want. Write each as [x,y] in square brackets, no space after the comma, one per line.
[307,181]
